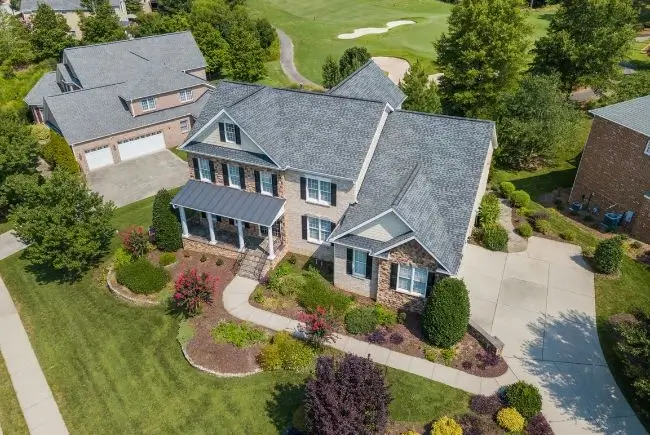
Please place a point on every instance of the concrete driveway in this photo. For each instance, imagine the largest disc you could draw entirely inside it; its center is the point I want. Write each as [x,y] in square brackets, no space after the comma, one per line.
[541,304]
[140,178]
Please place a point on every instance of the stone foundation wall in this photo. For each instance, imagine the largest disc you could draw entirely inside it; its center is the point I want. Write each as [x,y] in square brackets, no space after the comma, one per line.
[195,245]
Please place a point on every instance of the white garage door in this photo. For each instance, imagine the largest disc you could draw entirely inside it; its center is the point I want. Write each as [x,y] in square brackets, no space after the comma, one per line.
[142,145]
[99,157]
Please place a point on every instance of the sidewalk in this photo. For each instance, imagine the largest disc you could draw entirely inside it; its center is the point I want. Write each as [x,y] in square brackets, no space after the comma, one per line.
[235,301]
[516,243]
[9,244]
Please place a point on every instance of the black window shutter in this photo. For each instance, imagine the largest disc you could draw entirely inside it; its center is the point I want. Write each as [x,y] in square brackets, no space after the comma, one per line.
[242,178]
[231,221]
[348,263]
[303,188]
[237,135]
[393,275]
[304,227]
[195,163]
[224,169]
[431,279]
[333,193]
[218,218]
[247,225]
[258,188]
[332,226]
[222,132]
[203,215]
[274,181]
[368,266]
[212,174]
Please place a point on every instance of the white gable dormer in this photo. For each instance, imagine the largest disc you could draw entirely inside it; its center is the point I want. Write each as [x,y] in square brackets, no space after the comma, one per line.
[382,228]
[225,132]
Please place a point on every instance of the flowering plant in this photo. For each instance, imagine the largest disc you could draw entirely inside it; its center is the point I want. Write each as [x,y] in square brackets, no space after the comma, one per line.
[192,290]
[135,241]
[318,326]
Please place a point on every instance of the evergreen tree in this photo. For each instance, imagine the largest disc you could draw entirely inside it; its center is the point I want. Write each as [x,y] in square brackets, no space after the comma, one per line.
[352,59]
[331,74]
[215,49]
[481,55]
[102,26]
[421,95]
[265,32]
[165,222]
[586,40]
[50,33]
[15,47]
[246,54]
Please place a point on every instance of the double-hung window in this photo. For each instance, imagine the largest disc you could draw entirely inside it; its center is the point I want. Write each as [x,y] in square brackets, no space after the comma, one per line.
[204,170]
[647,149]
[234,180]
[318,229]
[359,259]
[185,125]
[148,104]
[266,183]
[411,279]
[185,95]
[319,191]
[229,131]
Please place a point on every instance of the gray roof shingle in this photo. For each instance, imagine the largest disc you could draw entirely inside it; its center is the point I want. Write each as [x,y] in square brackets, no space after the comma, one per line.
[427,168]
[232,154]
[44,87]
[370,83]
[228,202]
[156,79]
[633,114]
[58,5]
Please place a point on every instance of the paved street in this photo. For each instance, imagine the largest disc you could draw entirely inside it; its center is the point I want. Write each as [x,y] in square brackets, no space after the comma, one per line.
[541,304]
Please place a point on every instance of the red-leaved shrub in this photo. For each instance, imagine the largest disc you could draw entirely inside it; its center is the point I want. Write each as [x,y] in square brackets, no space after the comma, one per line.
[486,405]
[318,326]
[538,425]
[192,290]
[135,241]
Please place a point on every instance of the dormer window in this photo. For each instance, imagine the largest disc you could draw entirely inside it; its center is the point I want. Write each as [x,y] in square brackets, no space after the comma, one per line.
[229,129]
[148,104]
[647,149]
[185,95]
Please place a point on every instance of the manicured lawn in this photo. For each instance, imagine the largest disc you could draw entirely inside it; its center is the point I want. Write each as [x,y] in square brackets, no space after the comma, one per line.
[14,89]
[115,368]
[11,416]
[314,25]
[180,153]
[5,226]
[275,76]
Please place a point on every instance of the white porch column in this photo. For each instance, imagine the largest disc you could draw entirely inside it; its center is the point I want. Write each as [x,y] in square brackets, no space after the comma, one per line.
[213,239]
[240,232]
[181,212]
[271,252]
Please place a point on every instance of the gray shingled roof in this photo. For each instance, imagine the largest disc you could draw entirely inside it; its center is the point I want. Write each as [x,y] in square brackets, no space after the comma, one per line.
[633,114]
[229,203]
[58,5]
[370,83]
[156,79]
[426,168]
[97,112]
[122,61]
[232,154]
[307,131]
[44,87]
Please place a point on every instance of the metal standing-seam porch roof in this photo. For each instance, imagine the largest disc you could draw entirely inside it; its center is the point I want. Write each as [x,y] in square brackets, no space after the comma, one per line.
[229,202]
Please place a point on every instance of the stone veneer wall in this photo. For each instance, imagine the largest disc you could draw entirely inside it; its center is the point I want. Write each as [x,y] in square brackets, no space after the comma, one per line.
[197,246]
[412,254]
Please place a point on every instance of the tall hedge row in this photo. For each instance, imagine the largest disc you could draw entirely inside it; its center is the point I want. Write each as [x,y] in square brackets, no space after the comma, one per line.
[166,223]
[58,154]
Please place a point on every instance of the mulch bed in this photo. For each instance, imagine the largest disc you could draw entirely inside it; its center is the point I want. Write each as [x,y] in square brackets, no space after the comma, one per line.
[470,356]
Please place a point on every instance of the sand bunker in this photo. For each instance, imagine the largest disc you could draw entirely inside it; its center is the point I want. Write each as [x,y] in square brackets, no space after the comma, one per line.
[374,30]
[394,66]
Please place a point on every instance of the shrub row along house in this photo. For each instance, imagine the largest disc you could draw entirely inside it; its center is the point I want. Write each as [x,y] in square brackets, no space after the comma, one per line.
[389,196]
[124,99]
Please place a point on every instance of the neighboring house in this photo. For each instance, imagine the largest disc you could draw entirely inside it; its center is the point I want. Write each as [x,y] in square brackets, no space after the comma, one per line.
[69,8]
[388,196]
[614,171]
[124,99]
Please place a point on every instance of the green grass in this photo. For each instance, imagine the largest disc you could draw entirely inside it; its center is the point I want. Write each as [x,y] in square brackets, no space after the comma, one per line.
[275,76]
[115,368]
[5,226]
[180,153]
[314,26]
[14,89]
[11,416]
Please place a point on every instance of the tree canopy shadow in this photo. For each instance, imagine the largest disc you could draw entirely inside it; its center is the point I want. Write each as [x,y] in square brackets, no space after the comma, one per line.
[285,399]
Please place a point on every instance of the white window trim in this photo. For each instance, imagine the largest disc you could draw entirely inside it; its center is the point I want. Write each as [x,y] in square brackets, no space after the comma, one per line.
[647,149]
[237,186]
[225,132]
[320,229]
[185,122]
[149,107]
[410,292]
[318,200]
[183,95]
[356,252]
[207,162]
[270,176]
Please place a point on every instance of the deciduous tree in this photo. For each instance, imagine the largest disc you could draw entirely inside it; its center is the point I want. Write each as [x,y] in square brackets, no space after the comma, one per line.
[15,47]
[481,55]
[352,59]
[50,33]
[102,26]
[421,95]
[171,7]
[246,54]
[331,74]
[586,40]
[215,49]
[265,32]
[157,24]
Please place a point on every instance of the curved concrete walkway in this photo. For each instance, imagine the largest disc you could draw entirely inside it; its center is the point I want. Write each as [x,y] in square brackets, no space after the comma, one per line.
[287,63]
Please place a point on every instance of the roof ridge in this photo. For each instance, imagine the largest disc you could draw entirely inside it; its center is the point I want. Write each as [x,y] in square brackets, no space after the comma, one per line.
[439,115]
[407,184]
[76,91]
[362,67]
[120,41]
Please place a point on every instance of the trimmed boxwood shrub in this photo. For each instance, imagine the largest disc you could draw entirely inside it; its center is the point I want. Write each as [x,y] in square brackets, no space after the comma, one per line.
[142,277]
[520,198]
[525,230]
[510,420]
[362,320]
[488,212]
[286,352]
[525,398]
[166,223]
[446,314]
[494,237]
[608,255]
[319,293]
[543,226]
[446,426]
[506,188]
